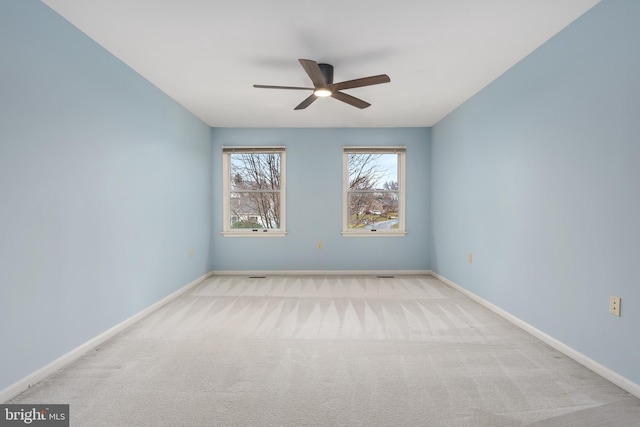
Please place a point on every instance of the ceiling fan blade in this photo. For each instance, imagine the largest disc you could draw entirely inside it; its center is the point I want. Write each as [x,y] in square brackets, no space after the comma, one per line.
[282,87]
[308,101]
[351,100]
[365,81]
[314,72]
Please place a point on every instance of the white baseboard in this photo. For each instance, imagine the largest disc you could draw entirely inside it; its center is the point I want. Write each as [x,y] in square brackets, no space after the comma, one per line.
[591,364]
[42,373]
[320,272]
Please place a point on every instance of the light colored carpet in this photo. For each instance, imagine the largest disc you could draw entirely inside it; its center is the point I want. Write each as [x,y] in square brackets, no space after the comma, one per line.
[330,351]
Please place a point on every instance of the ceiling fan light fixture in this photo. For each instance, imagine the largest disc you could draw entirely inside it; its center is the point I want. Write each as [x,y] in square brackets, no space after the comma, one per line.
[322,93]
[321,76]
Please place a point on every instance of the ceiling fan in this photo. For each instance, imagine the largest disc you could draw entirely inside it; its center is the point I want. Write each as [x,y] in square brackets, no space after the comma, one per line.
[323,86]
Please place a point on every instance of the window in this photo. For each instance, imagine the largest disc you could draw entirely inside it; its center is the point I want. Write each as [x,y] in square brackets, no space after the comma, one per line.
[254,191]
[374,194]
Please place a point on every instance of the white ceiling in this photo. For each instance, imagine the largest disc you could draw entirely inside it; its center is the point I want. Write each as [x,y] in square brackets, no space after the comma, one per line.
[207,54]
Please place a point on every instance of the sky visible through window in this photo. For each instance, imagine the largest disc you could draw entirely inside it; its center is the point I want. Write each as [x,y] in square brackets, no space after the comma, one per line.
[388,165]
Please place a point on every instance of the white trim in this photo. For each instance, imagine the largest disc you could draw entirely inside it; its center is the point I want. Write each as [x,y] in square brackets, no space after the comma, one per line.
[380,149]
[260,233]
[320,272]
[64,360]
[587,362]
[253,149]
[371,233]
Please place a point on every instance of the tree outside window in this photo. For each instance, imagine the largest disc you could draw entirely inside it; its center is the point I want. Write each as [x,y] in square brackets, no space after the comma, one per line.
[373,195]
[254,189]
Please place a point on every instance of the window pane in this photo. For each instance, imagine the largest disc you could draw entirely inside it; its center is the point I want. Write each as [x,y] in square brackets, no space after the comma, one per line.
[255,171]
[255,210]
[371,171]
[369,210]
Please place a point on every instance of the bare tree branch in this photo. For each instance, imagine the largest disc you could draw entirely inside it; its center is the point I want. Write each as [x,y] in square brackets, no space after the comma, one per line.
[256,179]
[365,174]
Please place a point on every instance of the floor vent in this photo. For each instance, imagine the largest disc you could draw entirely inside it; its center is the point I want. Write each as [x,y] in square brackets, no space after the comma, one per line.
[257,277]
[386,277]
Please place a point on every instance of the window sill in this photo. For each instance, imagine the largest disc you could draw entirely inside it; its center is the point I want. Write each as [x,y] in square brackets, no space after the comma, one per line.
[374,233]
[259,233]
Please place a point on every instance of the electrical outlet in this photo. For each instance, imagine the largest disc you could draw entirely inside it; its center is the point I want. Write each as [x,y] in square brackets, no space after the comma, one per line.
[319,245]
[470,257]
[614,305]
[191,253]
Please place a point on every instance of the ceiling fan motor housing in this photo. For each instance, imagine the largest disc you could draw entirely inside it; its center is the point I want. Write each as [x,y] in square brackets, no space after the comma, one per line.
[327,72]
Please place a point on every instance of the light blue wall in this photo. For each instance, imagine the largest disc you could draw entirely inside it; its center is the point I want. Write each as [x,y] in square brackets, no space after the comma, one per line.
[539,176]
[314,204]
[105,186]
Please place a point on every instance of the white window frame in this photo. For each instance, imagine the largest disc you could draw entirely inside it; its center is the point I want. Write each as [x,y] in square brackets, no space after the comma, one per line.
[396,232]
[227,231]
